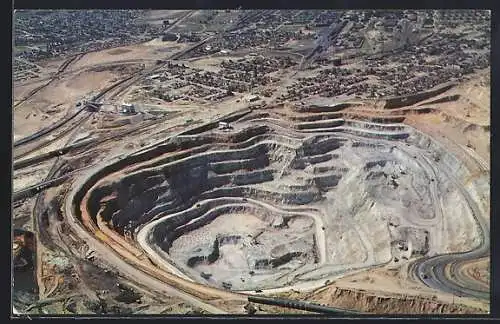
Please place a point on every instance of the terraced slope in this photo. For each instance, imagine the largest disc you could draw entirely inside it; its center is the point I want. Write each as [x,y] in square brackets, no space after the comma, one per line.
[291,197]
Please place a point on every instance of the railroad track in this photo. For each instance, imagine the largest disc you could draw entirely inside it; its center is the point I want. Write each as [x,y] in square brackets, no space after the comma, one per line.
[33,92]
[126,82]
[31,190]
[86,144]
[41,235]
[37,208]
[45,156]
[39,187]
[78,56]
[49,142]
[48,182]
[62,122]
[38,211]
[70,61]
[74,58]
[61,69]
[134,269]
[65,121]
[49,179]
[49,129]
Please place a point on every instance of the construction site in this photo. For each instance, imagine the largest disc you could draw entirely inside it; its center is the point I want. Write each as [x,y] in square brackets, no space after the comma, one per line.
[253,162]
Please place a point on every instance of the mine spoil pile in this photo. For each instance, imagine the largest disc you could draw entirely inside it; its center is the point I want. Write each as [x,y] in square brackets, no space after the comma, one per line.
[372,303]
[279,202]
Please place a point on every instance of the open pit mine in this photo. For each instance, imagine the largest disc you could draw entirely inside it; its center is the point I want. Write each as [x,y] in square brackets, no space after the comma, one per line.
[251,162]
[290,198]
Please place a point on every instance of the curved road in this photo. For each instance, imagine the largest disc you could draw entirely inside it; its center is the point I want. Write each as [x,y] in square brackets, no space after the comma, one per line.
[443,272]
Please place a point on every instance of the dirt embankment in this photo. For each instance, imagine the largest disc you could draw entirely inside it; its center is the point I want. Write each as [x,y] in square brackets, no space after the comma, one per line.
[372,303]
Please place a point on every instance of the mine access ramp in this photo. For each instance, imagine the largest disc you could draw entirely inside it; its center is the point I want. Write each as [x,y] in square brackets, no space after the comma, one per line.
[295,304]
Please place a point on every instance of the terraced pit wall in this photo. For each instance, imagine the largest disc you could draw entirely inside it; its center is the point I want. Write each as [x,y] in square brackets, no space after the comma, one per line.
[397,102]
[142,156]
[182,191]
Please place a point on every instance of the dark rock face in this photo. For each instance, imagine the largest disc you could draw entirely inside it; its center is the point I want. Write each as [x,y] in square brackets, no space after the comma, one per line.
[174,186]
[402,101]
[214,255]
[328,181]
[276,262]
